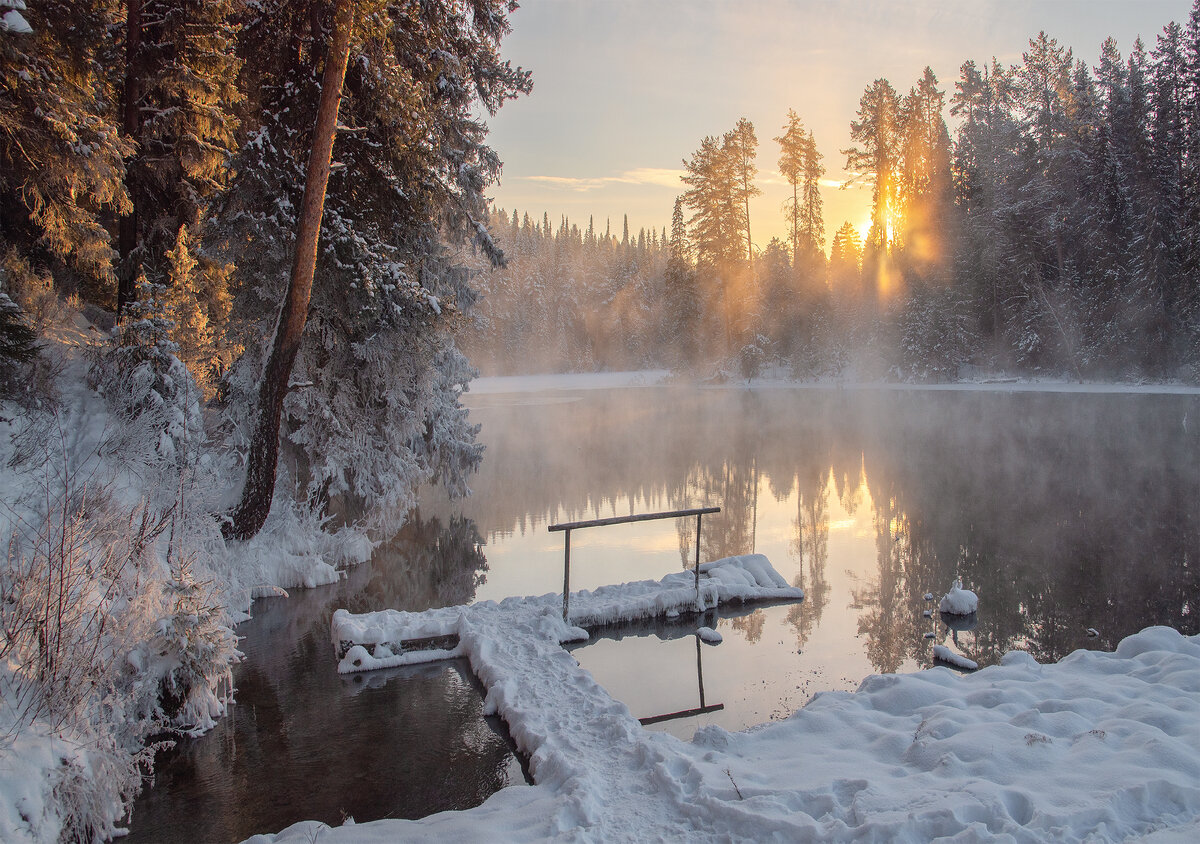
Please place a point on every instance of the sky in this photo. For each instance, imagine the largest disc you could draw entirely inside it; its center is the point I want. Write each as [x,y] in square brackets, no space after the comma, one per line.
[625,90]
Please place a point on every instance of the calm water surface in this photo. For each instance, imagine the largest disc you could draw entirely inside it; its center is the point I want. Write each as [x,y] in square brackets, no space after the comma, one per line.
[1064,512]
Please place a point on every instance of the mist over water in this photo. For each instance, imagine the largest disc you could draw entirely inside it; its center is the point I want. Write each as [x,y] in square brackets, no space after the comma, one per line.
[1063,511]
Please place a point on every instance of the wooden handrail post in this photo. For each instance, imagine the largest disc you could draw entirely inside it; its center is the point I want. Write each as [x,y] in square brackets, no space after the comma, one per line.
[566,574]
[567,527]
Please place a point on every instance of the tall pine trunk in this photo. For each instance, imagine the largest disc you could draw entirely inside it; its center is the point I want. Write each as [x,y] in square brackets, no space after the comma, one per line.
[251,512]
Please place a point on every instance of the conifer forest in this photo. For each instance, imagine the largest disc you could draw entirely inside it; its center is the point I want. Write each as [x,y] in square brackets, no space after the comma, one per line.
[252,260]
[1053,231]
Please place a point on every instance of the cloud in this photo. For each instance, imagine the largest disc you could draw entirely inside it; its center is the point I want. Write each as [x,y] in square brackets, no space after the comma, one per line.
[658,176]
[568,182]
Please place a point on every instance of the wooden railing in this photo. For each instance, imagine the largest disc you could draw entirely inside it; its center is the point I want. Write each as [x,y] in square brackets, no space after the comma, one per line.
[567,527]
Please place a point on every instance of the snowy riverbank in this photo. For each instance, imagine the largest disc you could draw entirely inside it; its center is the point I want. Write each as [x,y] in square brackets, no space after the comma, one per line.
[1101,746]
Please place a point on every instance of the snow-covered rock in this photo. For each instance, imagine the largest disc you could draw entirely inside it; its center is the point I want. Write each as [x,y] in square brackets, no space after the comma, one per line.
[13,21]
[959,601]
[944,654]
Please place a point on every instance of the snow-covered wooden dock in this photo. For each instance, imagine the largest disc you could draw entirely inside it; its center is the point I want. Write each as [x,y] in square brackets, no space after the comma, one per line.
[390,637]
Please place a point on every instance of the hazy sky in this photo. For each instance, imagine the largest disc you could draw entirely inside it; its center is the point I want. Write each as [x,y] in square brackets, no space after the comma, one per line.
[624,90]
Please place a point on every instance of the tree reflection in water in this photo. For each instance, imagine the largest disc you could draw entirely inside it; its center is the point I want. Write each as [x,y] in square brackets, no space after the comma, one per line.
[1064,511]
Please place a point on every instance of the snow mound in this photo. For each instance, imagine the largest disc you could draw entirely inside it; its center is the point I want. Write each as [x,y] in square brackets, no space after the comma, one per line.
[944,654]
[959,601]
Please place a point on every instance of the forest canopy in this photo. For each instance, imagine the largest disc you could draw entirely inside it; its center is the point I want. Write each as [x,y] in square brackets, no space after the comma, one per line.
[1039,220]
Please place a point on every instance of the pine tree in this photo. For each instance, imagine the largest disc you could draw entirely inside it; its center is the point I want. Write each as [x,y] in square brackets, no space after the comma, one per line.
[791,165]
[878,132]
[1164,255]
[742,144]
[925,183]
[682,301]
[714,232]
[179,92]
[812,217]
[985,168]
[845,261]
[17,342]
[61,156]
[380,411]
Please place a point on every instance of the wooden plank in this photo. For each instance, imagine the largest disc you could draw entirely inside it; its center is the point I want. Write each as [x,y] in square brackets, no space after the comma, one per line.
[429,643]
[643,517]
[684,713]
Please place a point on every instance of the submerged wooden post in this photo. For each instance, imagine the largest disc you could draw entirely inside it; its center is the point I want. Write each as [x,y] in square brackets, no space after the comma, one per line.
[567,574]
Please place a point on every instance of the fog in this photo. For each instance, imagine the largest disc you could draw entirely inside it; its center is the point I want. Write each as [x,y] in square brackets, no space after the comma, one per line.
[1065,511]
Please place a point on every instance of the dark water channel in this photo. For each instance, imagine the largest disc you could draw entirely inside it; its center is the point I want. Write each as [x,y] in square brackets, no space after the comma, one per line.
[303,742]
[1064,512]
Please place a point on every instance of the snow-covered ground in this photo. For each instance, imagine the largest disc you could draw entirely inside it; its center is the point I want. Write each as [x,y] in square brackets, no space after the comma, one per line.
[1101,746]
[609,380]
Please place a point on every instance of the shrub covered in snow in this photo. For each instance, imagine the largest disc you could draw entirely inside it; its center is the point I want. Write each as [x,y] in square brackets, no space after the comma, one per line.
[148,388]
[111,632]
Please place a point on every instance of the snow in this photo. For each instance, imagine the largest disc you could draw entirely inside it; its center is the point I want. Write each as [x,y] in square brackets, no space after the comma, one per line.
[944,654]
[959,601]
[14,21]
[745,578]
[1101,746]
[709,635]
[50,770]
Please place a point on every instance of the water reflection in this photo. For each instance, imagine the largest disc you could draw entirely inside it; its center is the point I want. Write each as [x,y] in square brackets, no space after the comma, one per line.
[303,742]
[1063,511]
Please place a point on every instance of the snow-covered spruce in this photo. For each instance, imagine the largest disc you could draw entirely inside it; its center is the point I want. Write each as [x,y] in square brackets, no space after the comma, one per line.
[1100,746]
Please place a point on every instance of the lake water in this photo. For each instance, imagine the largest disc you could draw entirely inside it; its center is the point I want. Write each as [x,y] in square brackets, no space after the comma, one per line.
[1064,512]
